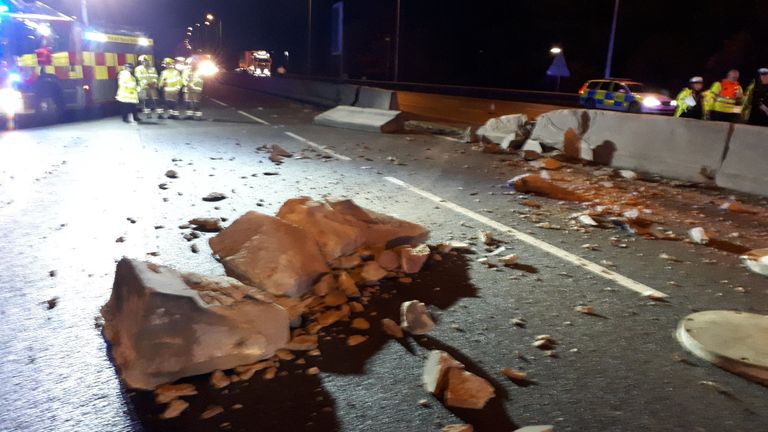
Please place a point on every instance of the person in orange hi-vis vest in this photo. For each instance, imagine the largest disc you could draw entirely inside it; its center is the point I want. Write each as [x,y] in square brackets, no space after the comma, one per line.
[726,99]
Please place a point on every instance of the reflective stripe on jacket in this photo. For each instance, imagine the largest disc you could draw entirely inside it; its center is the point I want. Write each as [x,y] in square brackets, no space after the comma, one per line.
[170,80]
[193,81]
[147,76]
[722,97]
[127,90]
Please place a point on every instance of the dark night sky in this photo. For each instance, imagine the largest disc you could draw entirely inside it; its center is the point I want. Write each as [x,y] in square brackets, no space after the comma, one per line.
[484,43]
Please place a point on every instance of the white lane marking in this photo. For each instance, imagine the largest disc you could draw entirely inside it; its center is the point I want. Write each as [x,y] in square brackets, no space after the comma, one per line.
[218,101]
[318,146]
[533,241]
[264,122]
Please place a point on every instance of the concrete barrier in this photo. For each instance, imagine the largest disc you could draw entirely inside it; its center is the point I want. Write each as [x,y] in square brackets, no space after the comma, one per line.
[371,97]
[364,119]
[315,92]
[745,167]
[684,149]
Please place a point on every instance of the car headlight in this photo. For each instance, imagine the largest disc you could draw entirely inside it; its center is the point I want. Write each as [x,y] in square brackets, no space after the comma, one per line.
[673,103]
[11,101]
[651,102]
[267,72]
[208,68]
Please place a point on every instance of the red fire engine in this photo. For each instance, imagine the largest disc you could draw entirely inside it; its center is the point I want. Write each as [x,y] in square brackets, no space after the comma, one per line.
[50,63]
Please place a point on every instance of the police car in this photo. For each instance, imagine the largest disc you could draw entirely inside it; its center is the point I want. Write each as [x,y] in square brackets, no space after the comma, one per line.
[625,96]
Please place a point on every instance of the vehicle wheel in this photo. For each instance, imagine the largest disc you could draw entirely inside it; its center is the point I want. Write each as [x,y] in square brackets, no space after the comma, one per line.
[635,108]
[48,109]
[590,104]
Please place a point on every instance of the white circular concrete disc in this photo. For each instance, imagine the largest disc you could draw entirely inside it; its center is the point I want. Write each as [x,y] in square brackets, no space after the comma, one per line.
[734,341]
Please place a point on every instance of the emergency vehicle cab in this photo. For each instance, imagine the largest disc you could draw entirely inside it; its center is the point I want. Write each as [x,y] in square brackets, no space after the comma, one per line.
[624,95]
[50,63]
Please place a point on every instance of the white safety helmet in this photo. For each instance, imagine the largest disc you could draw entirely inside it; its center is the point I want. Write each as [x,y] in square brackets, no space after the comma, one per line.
[762,71]
[696,79]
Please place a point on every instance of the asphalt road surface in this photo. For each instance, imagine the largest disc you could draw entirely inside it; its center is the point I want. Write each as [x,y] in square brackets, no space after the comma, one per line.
[68,192]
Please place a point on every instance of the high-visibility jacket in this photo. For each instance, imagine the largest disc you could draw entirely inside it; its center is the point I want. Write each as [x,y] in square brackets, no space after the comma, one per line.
[146,76]
[684,99]
[170,80]
[193,81]
[747,111]
[725,97]
[127,88]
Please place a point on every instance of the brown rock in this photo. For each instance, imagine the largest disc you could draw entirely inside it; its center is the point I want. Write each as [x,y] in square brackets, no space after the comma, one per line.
[467,390]
[168,392]
[174,409]
[532,183]
[436,368]
[413,259]
[211,411]
[391,328]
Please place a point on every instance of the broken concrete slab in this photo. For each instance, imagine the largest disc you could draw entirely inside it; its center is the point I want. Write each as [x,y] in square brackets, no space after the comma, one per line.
[162,326]
[364,119]
[536,184]
[435,374]
[508,131]
[341,226]
[467,390]
[270,253]
[415,318]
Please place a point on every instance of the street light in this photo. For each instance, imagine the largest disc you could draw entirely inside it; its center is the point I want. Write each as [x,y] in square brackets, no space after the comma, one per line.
[555,50]
[209,17]
[609,60]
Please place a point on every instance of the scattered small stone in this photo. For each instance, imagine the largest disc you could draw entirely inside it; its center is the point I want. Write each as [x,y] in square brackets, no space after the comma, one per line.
[544,342]
[195,248]
[586,310]
[168,392]
[163,186]
[519,322]
[698,235]
[270,373]
[172,174]
[356,340]
[467,390]
[424,403]
[174,409]
[668,257]
[219,379]
[284,355]
[360,324]
[120,239]
[509,260]
[211,411]
[537,428]
[208,224]
[486,237]
[214,197]
[458,428]
[587,220]
[391,328]
[313,371]
[302,343]
[51,303]
[514,375]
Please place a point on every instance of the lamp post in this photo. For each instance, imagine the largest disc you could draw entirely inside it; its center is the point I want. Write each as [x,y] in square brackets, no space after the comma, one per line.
[609,60]
[309,37]
[84,11]
[396,72]
[209,17]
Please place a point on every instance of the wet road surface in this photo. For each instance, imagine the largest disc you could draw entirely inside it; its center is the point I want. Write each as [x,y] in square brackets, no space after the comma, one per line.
[69,192]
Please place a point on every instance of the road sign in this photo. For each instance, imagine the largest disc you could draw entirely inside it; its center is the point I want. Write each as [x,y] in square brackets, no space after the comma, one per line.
[559,68]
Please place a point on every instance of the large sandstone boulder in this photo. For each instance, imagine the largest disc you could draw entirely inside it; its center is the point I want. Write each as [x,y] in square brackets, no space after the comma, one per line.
[270,253]
[341,226]
[163,325]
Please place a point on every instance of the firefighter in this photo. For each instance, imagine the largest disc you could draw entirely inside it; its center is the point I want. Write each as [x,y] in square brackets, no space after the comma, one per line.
[690,100]
[128,94]
[170,82]
[193,89]
[756,100]
[146,75]
[725,98]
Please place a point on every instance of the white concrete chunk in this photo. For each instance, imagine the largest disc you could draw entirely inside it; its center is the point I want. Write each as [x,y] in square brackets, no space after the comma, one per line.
[415,318]
[698,235]
[435,374]
[161,326]
[757,261]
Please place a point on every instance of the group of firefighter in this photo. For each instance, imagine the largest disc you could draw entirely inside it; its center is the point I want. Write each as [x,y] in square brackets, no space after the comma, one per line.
[726,100]
[179,85]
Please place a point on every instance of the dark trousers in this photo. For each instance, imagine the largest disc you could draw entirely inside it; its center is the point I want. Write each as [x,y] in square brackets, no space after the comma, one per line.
[725,117]
[130,111]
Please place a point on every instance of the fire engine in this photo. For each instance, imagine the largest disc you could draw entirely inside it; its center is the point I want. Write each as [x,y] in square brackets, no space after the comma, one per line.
[257,63]
[50,63]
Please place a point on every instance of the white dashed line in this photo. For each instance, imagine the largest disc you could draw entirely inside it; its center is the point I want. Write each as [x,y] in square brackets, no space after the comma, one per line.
[318,146]
[218,101]
[533,241]
[448,138]
[264,122]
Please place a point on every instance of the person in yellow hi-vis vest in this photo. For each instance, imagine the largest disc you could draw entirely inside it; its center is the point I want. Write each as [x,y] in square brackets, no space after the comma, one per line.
[193,89]
[725,99]
[128,94]
[171,83]
[690,100]
[146,75]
